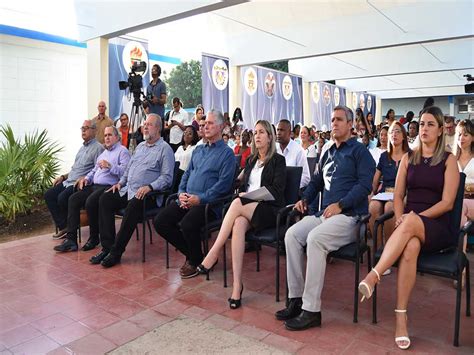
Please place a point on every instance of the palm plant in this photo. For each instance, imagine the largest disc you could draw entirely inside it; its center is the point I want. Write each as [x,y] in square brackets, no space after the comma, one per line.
[26,171]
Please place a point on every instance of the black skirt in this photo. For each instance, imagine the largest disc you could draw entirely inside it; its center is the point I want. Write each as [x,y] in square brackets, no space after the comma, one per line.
[264,215]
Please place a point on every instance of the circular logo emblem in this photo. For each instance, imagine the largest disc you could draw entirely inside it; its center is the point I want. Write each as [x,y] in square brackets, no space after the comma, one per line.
[362,102]
[287,87]
[369,103]
[220,74]
[337,96]
[134,52]
[326,95]
[250,81]
[354,100]
[315,92]
[270,84]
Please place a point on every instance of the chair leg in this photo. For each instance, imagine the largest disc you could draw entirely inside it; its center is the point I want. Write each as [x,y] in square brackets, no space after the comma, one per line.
[167,249]
[225,266]
[136,232]
[206,250]
[277,280]
[143,241]
[258,259]
[79,232]
[458,310]
[149,229]
[468,291]
[356,290]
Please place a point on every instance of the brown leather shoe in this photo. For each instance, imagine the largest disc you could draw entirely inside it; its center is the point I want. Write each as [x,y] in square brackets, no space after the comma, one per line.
[188,271]
[182,268]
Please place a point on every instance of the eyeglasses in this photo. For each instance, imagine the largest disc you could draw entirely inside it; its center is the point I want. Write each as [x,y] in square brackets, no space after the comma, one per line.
[85,128]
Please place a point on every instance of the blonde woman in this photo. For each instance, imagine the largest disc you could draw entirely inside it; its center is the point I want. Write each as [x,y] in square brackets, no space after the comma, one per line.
[429,177]
[264,167]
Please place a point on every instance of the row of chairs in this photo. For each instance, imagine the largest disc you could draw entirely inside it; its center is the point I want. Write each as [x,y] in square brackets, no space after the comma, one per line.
[449,263]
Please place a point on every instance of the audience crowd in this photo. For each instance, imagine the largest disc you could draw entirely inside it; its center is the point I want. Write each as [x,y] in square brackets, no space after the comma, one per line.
[408,165]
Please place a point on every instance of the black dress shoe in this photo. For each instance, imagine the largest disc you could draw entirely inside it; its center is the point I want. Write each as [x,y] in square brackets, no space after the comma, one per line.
[111,260]
[96,259]
[305,320]
[234,304]
[66,245]
[291,311]
[91,244]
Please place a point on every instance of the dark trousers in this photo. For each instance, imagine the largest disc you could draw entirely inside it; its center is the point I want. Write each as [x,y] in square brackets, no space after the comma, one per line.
[88,197]
[56,199]
[109,204]
[187,237]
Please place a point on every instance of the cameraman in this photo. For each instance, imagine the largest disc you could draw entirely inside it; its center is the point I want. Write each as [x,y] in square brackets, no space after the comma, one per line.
[156,92]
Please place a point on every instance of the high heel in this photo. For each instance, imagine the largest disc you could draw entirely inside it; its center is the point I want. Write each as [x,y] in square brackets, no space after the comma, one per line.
[365,289]
[234,304]
[201,269]
[403,338]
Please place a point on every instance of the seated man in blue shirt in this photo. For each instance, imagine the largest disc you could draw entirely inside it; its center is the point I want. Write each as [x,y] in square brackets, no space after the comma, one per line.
[150,168]
[57,197]
[209,176]
[344,175]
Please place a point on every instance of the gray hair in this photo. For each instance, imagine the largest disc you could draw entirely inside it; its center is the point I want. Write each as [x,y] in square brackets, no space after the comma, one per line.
[347,111]
[218,115]
[158,119]
[92,124]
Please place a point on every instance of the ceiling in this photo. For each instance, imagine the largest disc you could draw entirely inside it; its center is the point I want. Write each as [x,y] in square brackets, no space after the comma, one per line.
[391,48]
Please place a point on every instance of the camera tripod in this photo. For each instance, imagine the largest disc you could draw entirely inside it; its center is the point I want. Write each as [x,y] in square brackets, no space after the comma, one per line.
[137,116]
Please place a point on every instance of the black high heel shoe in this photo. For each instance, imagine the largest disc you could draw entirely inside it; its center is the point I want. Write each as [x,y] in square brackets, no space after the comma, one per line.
[203,270]
[234,304]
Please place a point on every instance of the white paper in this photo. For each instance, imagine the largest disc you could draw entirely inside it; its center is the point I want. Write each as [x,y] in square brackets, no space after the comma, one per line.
[383,196]
[261,194]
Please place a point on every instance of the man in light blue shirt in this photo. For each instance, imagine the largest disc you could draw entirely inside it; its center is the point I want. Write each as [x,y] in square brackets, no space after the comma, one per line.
[150,169]
[109,168]
[63,187]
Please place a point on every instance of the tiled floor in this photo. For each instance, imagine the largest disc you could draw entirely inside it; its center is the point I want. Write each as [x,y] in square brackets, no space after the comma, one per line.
[60,303]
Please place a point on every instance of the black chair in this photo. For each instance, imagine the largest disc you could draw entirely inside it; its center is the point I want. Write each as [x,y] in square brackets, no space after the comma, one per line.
[448,263]
[273,236]
[150,213]
[354,252]
[312,165]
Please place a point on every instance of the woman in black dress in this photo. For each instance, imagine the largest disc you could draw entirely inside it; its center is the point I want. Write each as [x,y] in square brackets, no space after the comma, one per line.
[264,167]
[429,177]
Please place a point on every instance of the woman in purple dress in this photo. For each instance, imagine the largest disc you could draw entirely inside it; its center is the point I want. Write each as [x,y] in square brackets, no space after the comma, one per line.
[430,178]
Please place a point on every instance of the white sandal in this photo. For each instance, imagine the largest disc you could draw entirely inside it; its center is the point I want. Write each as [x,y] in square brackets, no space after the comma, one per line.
[402,338]
[365,289]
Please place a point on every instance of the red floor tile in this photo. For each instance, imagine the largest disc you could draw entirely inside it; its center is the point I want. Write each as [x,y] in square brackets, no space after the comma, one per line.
[149,319]
[69,333]
[172,308]
[39,345]
[18,335]
[126,309]
[100,320]
[56,321]
[91,344]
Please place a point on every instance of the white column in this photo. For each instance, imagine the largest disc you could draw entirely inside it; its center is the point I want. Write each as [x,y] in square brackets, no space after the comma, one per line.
[97,74]
[235,87]
[308,120]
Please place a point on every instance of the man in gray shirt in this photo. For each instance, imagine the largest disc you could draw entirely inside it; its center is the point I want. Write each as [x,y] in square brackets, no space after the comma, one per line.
[150,169]
[63,186]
